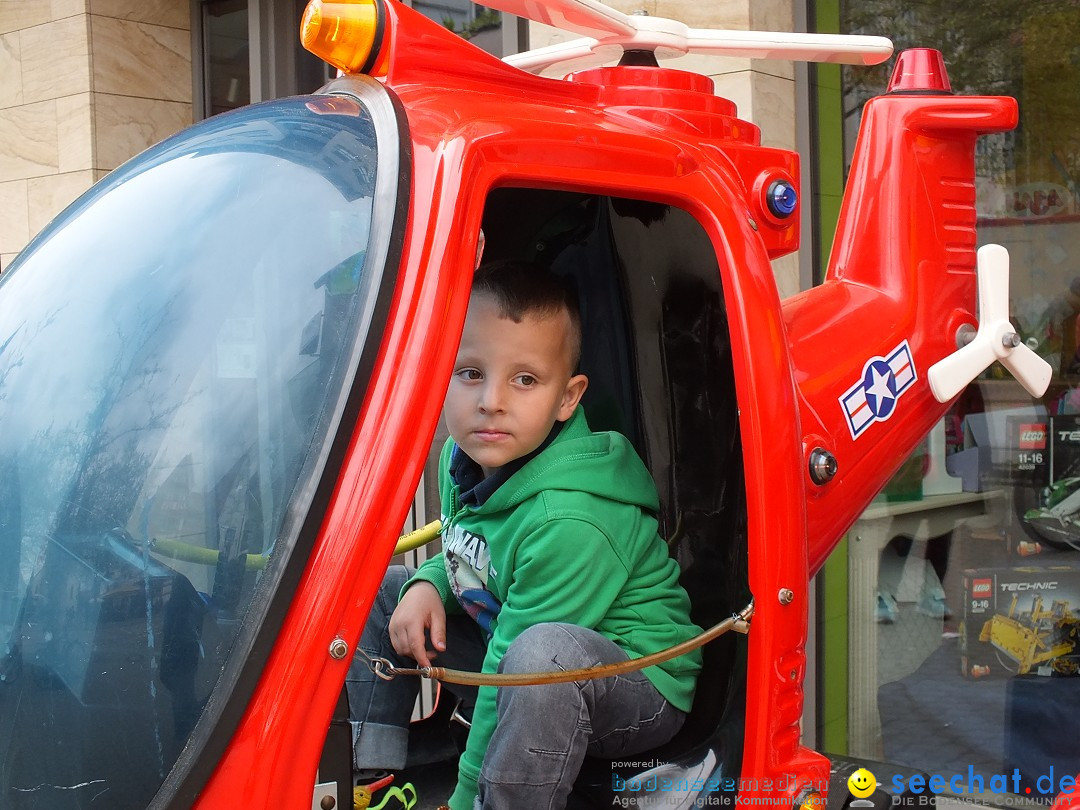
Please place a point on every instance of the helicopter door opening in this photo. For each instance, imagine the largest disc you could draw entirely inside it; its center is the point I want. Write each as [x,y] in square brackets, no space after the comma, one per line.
[657,351]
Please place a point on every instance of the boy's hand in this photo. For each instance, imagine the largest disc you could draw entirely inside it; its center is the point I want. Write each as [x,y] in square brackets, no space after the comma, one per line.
[420,609]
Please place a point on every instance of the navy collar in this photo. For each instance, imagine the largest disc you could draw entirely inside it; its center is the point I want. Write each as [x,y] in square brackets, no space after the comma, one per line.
[473,488]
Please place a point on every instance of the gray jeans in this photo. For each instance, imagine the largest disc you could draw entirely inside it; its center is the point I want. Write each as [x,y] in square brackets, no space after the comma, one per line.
[543,732]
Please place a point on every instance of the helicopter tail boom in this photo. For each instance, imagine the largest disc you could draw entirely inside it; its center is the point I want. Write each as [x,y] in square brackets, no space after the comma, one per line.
[900,283]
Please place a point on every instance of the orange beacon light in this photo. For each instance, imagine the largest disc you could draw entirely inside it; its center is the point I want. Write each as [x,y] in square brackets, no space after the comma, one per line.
[348,34]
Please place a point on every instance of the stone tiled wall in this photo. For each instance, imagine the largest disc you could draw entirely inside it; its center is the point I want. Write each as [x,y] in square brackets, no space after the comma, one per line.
[84,85]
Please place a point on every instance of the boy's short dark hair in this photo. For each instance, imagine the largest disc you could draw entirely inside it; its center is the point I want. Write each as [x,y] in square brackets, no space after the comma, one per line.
[521,288]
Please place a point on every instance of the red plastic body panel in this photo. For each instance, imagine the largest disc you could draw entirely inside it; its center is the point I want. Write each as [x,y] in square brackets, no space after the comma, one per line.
[477,124]
[902,269]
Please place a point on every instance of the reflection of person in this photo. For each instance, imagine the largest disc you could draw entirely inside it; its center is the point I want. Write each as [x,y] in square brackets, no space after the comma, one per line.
[551,561]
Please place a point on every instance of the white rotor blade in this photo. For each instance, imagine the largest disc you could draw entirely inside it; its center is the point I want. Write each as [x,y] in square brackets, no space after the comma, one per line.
[950,375]
[996,339]
[1030,370]
[587,17]
[577,54]
[669,39]
[837,48]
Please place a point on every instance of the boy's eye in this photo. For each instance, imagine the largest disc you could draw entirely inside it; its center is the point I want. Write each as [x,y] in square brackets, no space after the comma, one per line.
[470,374]
[526,379]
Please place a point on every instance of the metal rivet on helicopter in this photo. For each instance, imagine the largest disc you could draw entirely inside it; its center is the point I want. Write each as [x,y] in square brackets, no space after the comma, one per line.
[823,466]
[786,596]
[964,335]
[339,648]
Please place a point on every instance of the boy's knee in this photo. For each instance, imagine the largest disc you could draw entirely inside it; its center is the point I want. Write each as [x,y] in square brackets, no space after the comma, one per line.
[395,577]
[544,648]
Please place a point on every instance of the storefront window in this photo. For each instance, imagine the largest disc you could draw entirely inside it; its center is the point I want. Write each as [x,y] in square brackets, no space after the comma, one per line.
[227,72]
[962,625]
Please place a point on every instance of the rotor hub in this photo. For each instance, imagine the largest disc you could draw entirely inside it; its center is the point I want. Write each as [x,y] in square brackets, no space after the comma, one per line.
[668,98]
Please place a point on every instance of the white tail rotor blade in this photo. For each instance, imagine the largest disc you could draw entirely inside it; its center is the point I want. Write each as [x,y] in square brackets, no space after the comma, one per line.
[950,375]
[587,17]
[996,339]
[992,262]
[1030,370]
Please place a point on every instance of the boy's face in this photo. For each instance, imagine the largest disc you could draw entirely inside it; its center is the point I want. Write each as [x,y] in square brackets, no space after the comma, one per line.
[511,383]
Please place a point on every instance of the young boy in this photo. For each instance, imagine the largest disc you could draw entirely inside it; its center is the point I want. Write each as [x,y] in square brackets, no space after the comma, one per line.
[551,561]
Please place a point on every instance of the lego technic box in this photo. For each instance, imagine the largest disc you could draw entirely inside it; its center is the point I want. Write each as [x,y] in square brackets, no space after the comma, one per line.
[1021,621]
[1053,463]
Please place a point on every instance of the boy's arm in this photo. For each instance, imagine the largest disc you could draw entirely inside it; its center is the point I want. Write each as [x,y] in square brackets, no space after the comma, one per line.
[433,570]
[565,571]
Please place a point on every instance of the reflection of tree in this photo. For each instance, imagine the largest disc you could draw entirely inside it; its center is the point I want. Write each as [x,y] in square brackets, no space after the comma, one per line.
[1000,47]
[981,46]
[8,365]
[134,406]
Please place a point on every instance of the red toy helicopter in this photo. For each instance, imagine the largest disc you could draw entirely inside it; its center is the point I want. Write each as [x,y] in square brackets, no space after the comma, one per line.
[221,373]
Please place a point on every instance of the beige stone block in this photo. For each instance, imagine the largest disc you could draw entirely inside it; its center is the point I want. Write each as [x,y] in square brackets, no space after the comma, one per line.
[6,259]
[711,65]
[67,8]
[171,13]
[137,59]
[75,133]
[18,14]
[738,88]
[693,13]
[786,272]
[540,35]
[780,68]
[28,141]
[774,105]
[48,196]
[772,15]
[768,101]
[14,216]
[125,126]
[11,94]
[55,59]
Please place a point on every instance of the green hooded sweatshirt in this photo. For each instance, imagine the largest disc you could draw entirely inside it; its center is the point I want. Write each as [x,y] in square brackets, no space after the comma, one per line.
[570,537]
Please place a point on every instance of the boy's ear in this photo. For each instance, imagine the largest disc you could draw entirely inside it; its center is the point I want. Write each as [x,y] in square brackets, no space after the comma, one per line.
[575,387]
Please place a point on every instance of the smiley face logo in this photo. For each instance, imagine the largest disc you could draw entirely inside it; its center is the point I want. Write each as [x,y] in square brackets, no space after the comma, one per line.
[862,783]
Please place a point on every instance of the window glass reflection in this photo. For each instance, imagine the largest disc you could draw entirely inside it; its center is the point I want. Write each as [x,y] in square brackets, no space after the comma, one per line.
[172,357]
[480,25]
[227,69]
[963,578]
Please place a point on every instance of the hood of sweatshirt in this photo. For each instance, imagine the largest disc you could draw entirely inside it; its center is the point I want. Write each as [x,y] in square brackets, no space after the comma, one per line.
[603,464]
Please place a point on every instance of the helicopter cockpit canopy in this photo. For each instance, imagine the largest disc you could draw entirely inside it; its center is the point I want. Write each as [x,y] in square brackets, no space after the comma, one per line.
[177,352]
